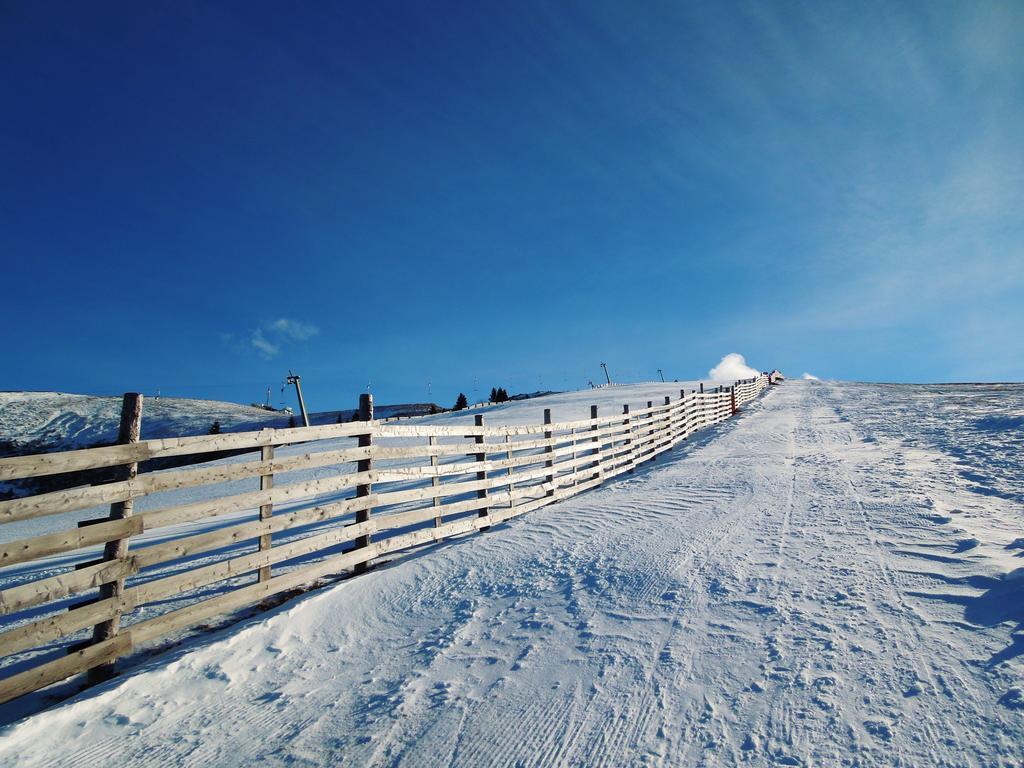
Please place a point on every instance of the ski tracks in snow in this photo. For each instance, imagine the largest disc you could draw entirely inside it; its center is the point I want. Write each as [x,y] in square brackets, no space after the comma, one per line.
[772,596]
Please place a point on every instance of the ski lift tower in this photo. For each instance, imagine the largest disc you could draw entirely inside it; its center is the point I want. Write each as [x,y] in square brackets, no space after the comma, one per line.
[606,374]
[297,381]
[662,376]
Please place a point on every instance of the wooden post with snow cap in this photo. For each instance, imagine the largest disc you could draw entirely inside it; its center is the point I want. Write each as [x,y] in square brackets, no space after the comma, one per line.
[732,393]
[129,431]
[597,448]
[478,420]
[364,465]
[549,463]
[702,387]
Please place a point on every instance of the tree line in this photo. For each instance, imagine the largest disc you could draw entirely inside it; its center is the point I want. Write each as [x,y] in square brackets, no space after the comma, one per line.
[498,395]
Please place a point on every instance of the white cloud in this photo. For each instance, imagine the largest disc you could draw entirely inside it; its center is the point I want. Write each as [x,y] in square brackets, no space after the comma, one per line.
[810,377]
[270,339]
[293,329]
[731,368]
[260,343]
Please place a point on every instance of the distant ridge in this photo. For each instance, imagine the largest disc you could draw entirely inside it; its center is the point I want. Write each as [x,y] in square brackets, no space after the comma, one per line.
[40,422]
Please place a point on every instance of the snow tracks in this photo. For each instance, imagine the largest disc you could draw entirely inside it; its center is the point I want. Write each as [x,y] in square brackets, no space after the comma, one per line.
[779,591]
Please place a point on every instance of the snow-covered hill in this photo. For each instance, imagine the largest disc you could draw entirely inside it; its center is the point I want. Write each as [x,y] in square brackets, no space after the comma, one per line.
[44,421]
[833,578]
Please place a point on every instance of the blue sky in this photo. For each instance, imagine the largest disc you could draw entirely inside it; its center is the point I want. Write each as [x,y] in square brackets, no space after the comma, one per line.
[197,197]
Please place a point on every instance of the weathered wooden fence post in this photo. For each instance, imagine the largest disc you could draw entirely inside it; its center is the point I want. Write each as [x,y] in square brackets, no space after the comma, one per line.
[549,479]
[435,481]
[668,438]
[597,448]
[128,431]
[648,443]
[629,438]
[511,484]
[732,395]
[572,439]
[364,465]
[682,417]
[482,475]
[266,510]
[702,387]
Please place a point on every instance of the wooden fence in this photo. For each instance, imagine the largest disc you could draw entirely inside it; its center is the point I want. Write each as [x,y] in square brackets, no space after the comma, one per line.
[338,497]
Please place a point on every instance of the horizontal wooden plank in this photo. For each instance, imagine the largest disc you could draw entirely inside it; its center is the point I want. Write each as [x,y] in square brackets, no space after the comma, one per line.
[73,664]
[491,465]
[200,510]
[41,631]
[278,494]
[188,546]
[58,502]
[42,464]
[33,593]
[151,629]
[194,578]
[497,430]
[439,430]
[391,520]
[24,550]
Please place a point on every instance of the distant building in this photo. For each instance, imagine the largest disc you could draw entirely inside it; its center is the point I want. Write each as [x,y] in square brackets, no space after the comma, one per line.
[776,377]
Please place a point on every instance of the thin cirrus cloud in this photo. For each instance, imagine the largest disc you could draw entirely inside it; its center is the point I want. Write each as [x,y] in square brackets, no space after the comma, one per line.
[270,339]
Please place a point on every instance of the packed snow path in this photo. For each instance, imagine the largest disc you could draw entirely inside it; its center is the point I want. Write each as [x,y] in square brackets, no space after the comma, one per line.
[787,589]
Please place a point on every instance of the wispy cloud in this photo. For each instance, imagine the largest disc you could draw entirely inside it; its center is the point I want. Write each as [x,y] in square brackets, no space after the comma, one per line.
[293,329]
[262,345]
[270,339]
[892,135]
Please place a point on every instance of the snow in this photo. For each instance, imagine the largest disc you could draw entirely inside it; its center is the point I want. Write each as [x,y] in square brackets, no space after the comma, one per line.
[51,419]
[565,406]
[827,579]
[42,421]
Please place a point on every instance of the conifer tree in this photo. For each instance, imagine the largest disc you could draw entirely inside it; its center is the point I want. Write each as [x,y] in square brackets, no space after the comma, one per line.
[461,402]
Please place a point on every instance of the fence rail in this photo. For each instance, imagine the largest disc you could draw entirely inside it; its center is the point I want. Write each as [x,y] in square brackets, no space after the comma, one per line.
[357,491]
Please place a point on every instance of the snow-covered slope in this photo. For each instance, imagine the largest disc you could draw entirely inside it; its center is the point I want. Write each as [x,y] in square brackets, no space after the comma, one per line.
[46,421]
[803,585]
